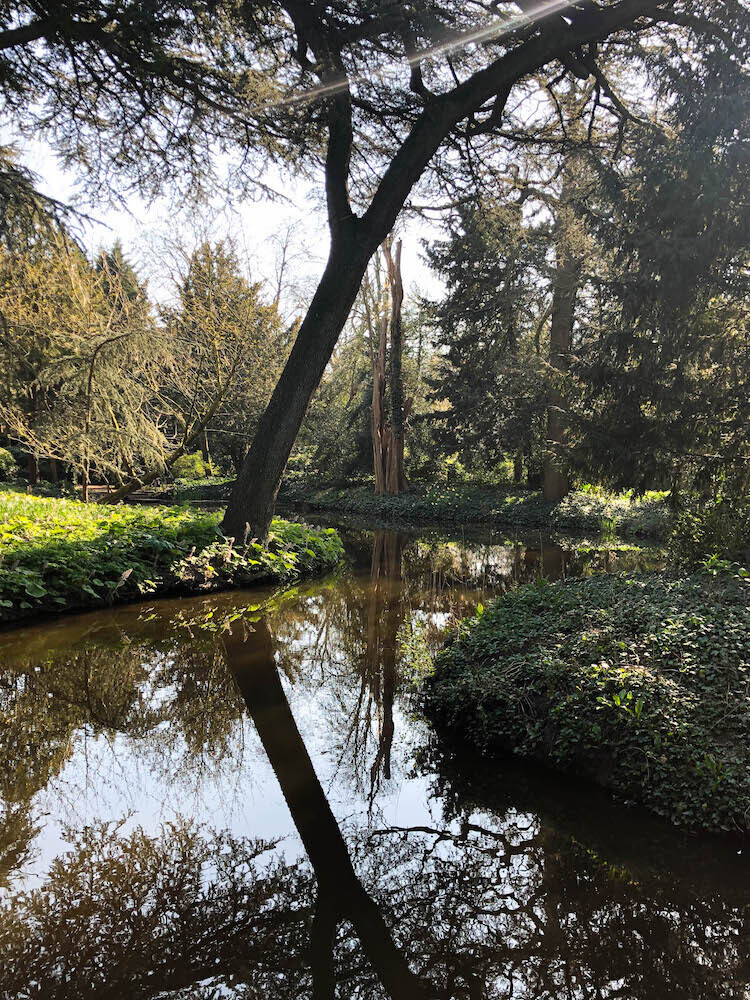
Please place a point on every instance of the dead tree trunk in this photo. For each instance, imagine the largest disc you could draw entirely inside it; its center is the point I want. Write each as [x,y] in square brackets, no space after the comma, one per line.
[378,425]
[388,435]
[396,477]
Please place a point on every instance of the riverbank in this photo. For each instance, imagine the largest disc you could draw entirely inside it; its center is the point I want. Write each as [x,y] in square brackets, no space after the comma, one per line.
[60,555]
[639,683]
[588,512]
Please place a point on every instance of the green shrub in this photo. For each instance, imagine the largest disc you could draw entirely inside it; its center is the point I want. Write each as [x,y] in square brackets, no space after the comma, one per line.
[60,554]
[640,683]
[8,467]
[720,528]
[191,467]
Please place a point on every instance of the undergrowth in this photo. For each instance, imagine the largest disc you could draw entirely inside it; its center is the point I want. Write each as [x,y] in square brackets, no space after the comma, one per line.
[641,683]
[58,554]
[583,511]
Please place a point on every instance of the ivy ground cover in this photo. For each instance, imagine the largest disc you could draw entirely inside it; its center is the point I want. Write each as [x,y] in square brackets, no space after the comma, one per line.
[58,555]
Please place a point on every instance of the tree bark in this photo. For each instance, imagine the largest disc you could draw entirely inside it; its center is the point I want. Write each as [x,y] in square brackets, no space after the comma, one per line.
[396,478]
[254,494]
[378,429]
[566,278]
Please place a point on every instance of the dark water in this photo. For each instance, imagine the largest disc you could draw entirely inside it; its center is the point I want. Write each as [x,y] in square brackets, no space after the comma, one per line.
[235,797]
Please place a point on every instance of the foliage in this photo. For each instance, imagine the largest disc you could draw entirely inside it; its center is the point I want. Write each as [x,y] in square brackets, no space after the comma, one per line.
[191,466]
[8,466]
[581,511]
[233,343]
[84,362]
[62,554]
[490,375]
[639,683]
[94,380]
[719,528]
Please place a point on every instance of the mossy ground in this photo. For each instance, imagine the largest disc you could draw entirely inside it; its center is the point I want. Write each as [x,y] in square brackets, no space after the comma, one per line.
[641,683]
[61,555]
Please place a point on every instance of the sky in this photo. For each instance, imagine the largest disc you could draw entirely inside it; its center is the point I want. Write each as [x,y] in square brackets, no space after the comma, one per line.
[152,233]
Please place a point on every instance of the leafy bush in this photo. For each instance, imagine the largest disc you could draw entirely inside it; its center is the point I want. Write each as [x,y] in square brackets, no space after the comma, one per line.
[640,683]
[8,467]
[191,467]
[720,528]
[61,554]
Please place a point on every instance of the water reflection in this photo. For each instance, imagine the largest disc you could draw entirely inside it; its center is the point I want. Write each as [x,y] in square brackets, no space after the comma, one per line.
[386,868]
[340,894]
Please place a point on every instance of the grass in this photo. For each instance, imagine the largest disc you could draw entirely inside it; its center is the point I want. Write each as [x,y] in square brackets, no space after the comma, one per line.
[640,683]
[62,555]
[589,510]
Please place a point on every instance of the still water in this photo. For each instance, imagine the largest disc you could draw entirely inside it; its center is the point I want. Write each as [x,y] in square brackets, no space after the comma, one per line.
[235,796]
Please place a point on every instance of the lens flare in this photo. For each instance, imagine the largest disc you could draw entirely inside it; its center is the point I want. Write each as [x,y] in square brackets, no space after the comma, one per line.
[491,32]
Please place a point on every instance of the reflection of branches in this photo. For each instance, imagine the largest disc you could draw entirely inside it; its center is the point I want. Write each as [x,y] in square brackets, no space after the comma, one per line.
[340,892]
[138,916]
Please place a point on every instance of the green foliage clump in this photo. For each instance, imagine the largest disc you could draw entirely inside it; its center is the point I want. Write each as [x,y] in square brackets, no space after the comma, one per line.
[191,466]
[590,512]
[8,467]
[63,554]
[640,683]
[720,528]
[213,489]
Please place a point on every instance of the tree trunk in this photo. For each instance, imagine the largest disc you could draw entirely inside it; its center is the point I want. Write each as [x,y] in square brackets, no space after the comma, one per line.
[253,498]
[396,479]
[379,433]
[556,485]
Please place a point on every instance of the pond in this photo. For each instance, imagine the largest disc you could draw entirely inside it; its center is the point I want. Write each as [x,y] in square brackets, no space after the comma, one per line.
[235,796]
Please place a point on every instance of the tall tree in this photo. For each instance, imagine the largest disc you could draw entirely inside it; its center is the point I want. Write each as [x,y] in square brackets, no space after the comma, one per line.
[226,346]
[489,390]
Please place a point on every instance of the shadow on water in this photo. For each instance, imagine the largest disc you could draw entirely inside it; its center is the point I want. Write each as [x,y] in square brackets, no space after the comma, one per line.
[233,797]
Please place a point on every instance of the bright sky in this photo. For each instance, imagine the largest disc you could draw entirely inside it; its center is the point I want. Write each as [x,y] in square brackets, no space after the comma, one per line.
[143,228]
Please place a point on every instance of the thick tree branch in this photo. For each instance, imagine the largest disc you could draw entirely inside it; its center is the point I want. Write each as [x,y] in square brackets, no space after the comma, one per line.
[446,111]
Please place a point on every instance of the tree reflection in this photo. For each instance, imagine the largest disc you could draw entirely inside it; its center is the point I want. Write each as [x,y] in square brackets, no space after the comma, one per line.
[340,895]
[507,889]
